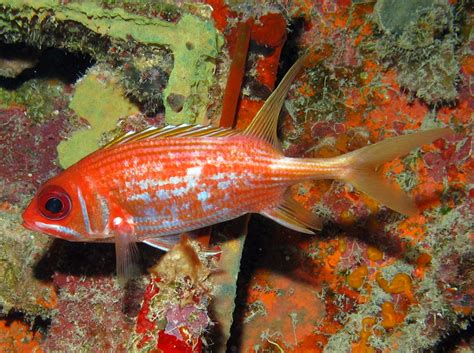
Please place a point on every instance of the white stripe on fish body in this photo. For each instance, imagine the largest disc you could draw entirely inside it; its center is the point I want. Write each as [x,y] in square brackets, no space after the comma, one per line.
[144,196]
[224,175]
[95,229]
[166,224]
[170,227]
[105,214]
[151,212]
[60,229]
[85,213]
[194,172]
[162,195]
[203,196]
[184,184]
[191,180]
[151,215]
[180,191]
[151,183]
[155,152]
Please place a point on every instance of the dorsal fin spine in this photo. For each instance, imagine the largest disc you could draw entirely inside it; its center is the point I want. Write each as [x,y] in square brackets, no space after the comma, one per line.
[264,124]
[184,130]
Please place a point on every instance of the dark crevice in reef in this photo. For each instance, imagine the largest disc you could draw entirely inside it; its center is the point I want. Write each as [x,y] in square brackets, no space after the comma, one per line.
[254,246]
[76,258]
[290,52]
[37,324]
[47,63]
[451,344]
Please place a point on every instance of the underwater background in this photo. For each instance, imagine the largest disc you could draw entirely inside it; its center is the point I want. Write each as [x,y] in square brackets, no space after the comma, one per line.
[76,74]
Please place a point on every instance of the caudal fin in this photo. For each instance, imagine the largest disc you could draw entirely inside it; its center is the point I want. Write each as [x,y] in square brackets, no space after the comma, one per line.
[360,168]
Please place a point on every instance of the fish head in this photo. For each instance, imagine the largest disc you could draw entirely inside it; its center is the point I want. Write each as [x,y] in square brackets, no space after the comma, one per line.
[60,209]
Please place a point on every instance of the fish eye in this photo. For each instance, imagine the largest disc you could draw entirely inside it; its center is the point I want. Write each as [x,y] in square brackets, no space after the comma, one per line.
[54,205]
[54,202]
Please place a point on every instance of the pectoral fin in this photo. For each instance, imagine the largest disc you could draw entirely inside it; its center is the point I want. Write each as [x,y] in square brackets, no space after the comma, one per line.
[294,216]
[126,251]
[127,258]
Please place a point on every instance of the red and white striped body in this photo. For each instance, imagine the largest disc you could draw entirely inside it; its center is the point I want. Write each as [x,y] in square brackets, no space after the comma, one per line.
[169,186]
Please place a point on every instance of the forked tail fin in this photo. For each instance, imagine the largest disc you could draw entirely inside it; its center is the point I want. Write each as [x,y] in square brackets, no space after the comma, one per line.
[360,168]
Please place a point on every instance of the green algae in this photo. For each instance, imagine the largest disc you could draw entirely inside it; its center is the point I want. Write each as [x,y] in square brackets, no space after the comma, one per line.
[169,12]
[37,96]
[102,111]
[94,28]
[394,18]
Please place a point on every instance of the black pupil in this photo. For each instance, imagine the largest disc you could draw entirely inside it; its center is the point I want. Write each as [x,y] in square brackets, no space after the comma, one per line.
[54,205]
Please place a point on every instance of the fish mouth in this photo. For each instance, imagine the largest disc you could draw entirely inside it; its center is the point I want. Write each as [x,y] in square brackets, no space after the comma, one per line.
[28,217]
[31,226]
[28,224]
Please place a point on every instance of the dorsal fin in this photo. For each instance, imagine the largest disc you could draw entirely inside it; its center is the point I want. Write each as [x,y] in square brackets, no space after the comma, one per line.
[264,124]
[183,130]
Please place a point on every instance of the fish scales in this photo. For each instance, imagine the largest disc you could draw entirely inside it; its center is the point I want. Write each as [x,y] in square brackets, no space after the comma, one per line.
[203,181]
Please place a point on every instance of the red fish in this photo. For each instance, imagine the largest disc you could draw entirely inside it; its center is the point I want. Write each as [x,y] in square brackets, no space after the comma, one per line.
[153,185]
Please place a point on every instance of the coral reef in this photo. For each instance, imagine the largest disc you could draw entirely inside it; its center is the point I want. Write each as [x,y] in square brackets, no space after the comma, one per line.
[20,250]
[88,315]
[23,140]
[420,39]
[132,41]
[371,281]
[23,340]
[381,279]
[174,314]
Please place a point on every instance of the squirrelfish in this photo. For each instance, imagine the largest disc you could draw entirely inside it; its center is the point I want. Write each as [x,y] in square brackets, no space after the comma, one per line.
[153,185]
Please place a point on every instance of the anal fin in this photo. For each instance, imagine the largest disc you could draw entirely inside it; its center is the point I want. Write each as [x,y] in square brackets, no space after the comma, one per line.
[294,216]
